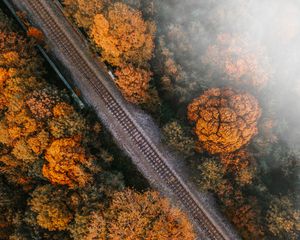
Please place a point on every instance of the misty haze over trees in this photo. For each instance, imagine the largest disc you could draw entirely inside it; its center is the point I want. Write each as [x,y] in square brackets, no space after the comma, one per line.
[221,78]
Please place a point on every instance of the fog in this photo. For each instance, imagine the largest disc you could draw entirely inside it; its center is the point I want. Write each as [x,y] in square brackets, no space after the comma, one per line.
[272,25]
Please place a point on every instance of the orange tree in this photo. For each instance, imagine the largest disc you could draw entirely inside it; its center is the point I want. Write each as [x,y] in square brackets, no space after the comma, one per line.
[133,215]
[20,73]
[134,83]
[241,165]
[124,39]
[65,163]
[127,42]
[34,116]
[123,36]
[225,119]
[243,212]
[50,207]
[83,11]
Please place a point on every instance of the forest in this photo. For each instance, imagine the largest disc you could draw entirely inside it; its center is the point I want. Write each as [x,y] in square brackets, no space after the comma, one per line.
[221,80]
[61,176]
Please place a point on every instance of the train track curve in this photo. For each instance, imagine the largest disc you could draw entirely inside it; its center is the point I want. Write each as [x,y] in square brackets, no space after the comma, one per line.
[208,227]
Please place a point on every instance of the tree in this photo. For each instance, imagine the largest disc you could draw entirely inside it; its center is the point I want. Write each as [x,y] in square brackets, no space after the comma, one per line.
[283,219]
[176,138]
[133,215]
[41,102]
[243,212]
[36,34]
[175,81]
[66,122]
[10,207]
[90,226]
[84,11]
[123,36]
[20,124]
[225,119]
[49,204]
[241,165]
[212,177]
[66,162]
[124,40]
[31,108]
[19,56]
[240,62]
[245,215]
[134,83]
[39,143]
[89,203]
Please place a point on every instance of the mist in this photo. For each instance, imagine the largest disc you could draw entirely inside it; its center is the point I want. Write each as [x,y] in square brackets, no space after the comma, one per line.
[272,26]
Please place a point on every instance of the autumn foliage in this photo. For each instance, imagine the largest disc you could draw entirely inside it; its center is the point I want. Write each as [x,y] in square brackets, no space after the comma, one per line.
[225,119]
[123,39]
[30,108]
[63,184]
[241,165]
[60,177]
[123,36]
[240,62]
[146,216]
[245,215]
[65,163]
[134,83]
[221,178]
[52,212]
[83,11]
[35,34]
[283,219]
[176,138]
[41,102]
[127,42]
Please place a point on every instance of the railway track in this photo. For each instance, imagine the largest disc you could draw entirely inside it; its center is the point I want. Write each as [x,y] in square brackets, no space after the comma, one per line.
[209,228]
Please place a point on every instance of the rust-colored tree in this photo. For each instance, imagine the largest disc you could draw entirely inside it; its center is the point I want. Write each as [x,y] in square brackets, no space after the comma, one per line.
[83,11]
[66,122]
[41,102]
[66,160]
[36,34]
[245,214]
[123,36]
[133,215]
[133,83]
[225,119]
[49,204]
[241,165]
